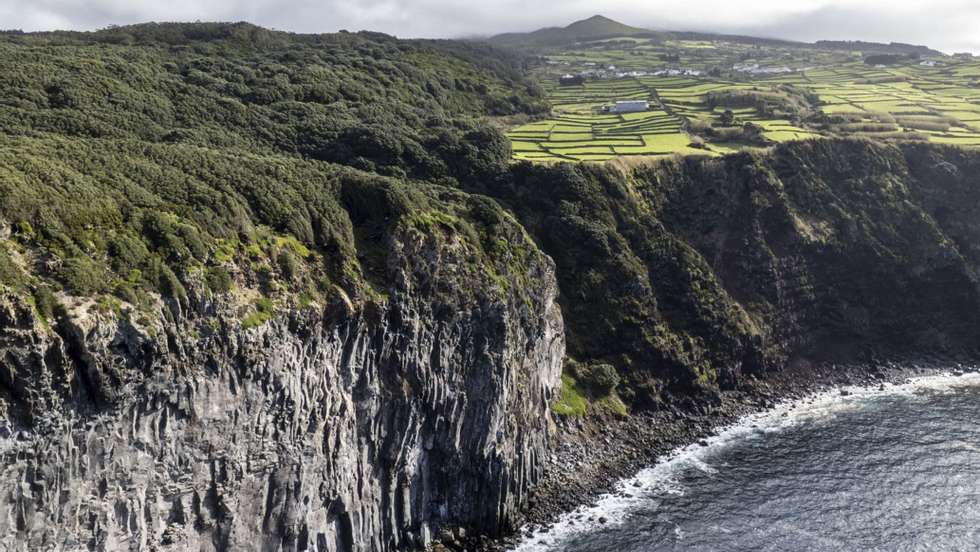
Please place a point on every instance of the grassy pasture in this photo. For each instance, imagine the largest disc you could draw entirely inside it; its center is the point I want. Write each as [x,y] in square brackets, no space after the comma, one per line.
[682,80]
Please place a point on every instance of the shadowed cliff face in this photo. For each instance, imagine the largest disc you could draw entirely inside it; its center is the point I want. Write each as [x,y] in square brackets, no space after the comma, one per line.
[687,274]
[343,427]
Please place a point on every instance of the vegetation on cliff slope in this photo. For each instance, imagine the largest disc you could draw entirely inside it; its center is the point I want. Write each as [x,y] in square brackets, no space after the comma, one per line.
[192,160]
[687,274]
[175,157]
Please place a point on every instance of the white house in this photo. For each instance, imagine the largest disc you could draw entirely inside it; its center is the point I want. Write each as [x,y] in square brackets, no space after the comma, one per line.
[632,106]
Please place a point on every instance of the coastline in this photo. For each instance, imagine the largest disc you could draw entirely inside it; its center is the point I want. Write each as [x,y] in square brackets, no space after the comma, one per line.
[591,456]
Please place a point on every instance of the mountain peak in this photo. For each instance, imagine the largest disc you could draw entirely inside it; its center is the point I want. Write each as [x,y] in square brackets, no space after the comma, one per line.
[597,26]
[597,18]
[600,25]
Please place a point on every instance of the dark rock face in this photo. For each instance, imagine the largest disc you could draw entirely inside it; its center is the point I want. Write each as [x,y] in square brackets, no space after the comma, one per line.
[343,428]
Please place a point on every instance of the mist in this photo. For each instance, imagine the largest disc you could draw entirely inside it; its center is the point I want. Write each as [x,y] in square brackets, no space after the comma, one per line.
[948,25]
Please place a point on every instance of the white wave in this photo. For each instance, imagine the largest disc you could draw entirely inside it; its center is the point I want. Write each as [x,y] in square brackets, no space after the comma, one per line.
[663,478]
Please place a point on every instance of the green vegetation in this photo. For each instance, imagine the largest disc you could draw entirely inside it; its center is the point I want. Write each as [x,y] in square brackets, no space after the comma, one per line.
[687,274]
[602,379]
[219,280]
[11,275]
[572,402]
[264,310]
[367,100]
[173,158]
[588,387]
[582,131]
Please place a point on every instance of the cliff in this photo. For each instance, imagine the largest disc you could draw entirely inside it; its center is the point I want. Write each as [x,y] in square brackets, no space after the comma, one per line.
[415,395]
[214,335]
[347,426]
[688,275]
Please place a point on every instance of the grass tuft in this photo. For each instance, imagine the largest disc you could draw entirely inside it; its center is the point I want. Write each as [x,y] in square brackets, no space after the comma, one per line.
[572,402]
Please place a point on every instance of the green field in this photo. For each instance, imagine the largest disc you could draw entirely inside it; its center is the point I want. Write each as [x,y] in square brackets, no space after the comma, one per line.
[579,131]
[710,97]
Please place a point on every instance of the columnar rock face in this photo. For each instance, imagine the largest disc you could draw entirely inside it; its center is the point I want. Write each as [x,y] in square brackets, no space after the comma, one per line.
[352,426]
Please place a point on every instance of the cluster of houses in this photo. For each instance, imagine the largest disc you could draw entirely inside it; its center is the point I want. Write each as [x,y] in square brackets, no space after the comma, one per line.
[757,69]
[680,72]
[606,74]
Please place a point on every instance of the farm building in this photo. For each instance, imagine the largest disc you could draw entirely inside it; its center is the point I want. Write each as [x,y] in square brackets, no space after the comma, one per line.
[571,80]
[632,106]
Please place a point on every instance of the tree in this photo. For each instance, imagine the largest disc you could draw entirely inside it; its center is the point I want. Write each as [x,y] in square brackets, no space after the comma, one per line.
[727,118]
[602,379]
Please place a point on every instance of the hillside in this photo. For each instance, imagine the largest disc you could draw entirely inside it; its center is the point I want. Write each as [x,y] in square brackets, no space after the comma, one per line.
[601,27]
[595,27]
[363,99]
[245,99]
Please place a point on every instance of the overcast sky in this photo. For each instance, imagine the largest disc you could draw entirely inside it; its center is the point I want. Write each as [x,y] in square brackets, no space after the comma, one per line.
[949,25]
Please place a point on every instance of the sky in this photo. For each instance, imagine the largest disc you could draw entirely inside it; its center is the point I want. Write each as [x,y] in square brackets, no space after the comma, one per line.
[948,25]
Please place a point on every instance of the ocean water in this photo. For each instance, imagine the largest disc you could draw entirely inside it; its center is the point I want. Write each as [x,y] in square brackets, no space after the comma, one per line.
[892,470]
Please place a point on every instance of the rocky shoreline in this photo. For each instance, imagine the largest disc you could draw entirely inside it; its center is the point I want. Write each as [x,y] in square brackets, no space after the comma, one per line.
[592,455]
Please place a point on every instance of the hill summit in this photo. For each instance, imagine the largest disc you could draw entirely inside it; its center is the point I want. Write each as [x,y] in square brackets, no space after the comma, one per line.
[597,26]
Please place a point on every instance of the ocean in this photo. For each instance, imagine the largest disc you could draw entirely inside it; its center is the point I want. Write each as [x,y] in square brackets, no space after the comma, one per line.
[890,469]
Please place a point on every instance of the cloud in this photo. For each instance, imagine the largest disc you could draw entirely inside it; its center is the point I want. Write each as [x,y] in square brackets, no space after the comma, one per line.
[951,27]
[947,24]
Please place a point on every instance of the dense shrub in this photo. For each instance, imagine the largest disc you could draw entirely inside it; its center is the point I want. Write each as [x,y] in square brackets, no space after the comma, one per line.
[83,276]
[601,379]
[219,280]
[288,265]
[10,274]
[45,301]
